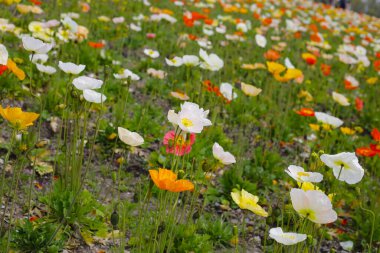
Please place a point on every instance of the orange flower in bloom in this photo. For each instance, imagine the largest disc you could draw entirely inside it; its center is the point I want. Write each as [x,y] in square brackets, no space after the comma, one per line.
[272,55]
[309,58]
[15,70]
[167,180]
[348,85]
[96,44]
[256,16]
[359,104]
[375,134]
[208,21]
[314,28]
[85,7]
[326,69]
[192,37]
[378,55]
[18,119]
[307,112]
[297,35]
[36,2]
[315,38]
[365,151]
[267,21]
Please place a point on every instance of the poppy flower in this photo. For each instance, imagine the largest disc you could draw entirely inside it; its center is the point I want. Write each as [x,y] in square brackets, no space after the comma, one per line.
[313,205]
[178,144]
[3,55]
[375,133]
[71,68]
[326,69]
[272,55]
[267,21]
[376,64]
[130,138]
[12,66]
[17,118]
[222,156]
[288,238]
[166,179]
[345,167]
[36,2]
[359,104]
[307,112]
[246,200]
[96,44]
[365,151]
[3,68]
[298,173]
[350,82]
[310,59]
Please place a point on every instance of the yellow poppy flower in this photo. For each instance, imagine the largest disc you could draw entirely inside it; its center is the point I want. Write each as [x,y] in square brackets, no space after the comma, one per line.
[246,200]
[17,118]
[16,70]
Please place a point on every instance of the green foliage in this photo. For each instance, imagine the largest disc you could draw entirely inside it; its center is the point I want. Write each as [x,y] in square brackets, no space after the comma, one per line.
[36,237]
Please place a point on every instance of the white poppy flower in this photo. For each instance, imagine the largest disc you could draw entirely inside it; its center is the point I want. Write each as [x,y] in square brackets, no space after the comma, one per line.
[286,238]
[135,28]
[130,138]
[127,73]
[71,68]
[347,245]
[288,63]
[250,90]
[261,41]
[191,118]
[118,20]
[242,27]
[85,82]
[210,62]
[340,99]
[46,69]
[224,157]
[3,55]
[151,53]
[70,24]
[190,60]
[176,61]
[299,174]
[93,96]
[35,45]
[227,91]
[345,167]
[313,205]
[328,119]
[38,58]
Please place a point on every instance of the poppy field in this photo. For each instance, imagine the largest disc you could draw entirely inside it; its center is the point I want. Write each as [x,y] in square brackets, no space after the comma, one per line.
[188,126]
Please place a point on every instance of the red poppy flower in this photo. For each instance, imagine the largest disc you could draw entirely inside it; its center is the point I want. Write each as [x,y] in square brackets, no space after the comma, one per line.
[376,64]
[378,55]
[348,85]
[307,112]
[96,44]
[36,2]
[33,218]
[359,104]
[315,38]
[365,151]
[375,134]
[178,145]
[3,68]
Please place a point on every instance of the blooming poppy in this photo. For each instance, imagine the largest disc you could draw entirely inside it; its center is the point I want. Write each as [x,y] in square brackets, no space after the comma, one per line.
[359,104]
[375,133]
[166,179]
[179,144]
[267,21]
[307,112]
[3,68]
[365,151]
[12,66]
[272,55]
[17,118]
[310,59]
[326,69]
[246,200]
[376,64]
[96,44]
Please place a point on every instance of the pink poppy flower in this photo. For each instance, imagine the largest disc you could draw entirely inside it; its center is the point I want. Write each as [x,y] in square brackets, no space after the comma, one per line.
[179,145]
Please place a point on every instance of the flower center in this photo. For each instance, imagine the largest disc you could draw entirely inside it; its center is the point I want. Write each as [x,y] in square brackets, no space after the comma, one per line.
[303,174]
[308,213]
[186,122]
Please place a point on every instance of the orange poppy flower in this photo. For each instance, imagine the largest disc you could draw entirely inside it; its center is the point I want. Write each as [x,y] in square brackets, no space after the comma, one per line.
[256,15]
[365,151]
[326,69]
[375,134]
[378,55]
[307,112]
[15,70]
[167,180]
[272,55]
[17,118]
[315,38]
[376,64]
[208,21]
[96,44]
[297,35]
[267,21]
[309,58]
[348,85]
